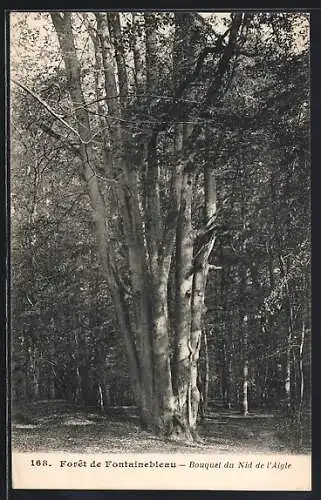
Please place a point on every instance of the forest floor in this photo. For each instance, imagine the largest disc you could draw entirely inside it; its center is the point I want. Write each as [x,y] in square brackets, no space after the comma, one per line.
[60,426]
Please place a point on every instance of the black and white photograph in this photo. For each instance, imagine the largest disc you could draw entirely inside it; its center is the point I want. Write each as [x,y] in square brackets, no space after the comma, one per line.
[160,249]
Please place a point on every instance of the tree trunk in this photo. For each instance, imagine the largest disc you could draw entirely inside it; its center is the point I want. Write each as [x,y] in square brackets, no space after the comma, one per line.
[33,375]
[204,376]
[288,373]
[301,395]
[62,23]
[245,405]
[192,266]
[227,376]
[138,58]
[52,389]
[184,283]
[116,36]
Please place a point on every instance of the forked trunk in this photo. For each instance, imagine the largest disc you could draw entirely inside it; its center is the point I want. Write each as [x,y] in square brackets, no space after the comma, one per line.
[167,396]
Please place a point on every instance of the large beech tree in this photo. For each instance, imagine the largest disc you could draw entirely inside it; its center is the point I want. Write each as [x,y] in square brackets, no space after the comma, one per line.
[156,238]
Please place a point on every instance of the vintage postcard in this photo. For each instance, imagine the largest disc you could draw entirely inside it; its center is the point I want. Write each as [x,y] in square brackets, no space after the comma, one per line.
[160,250]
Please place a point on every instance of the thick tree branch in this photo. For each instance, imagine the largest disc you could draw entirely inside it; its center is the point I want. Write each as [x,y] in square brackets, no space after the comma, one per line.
[173,108]
[48,108]
[59,137]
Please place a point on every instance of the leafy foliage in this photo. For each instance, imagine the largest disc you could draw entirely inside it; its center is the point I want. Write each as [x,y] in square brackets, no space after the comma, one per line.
[250,123]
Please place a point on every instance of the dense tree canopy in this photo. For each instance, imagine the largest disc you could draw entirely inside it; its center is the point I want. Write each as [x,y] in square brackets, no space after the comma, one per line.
[161,211]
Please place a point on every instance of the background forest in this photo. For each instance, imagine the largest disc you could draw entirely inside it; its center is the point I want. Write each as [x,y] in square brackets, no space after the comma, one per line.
[160,215]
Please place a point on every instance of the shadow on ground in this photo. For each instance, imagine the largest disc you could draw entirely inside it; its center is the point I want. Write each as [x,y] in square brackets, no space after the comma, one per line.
[59,426]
